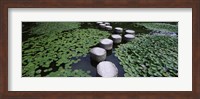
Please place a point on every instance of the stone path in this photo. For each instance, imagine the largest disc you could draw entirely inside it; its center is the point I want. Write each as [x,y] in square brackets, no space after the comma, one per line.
[107,68]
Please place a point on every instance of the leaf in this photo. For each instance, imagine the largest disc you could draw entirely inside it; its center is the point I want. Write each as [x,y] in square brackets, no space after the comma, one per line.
[153,57]
[58,47]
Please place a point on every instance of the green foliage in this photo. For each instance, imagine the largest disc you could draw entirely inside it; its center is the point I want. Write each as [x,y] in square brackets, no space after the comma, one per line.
[69,73]
[131,25]
[149,56]
[160,26]
[59,47]
[49,27]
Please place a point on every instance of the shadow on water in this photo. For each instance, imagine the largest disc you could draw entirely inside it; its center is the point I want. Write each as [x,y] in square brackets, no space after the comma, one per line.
[86,63]
[26,30]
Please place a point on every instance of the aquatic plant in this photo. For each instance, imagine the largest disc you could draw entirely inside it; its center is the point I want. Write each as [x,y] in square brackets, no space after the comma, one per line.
[149,56]
[49,27]
[139,29]
[54,53]
[69,73]
[160,26]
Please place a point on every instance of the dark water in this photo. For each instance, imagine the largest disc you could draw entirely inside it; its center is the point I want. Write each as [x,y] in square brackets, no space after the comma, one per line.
[26,26]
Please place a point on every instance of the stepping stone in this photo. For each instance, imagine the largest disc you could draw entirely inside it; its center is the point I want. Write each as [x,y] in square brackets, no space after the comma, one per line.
[130,32]
[116,38]
[98,54]
[128,37]
[103,26]
[107,23]
[99,22]
[118,30]
[108,28]
[106,44]
[107,69]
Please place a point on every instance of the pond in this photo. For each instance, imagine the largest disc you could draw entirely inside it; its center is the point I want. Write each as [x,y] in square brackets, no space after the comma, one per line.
[78,63]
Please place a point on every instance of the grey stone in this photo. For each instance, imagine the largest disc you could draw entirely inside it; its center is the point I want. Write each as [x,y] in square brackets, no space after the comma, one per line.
[99,23]
[116,38]
[106,23]
[108,28]
[98,54]
[107,69]
[130,32]
[129,37]
[118,30]
[106,44]
[103,26]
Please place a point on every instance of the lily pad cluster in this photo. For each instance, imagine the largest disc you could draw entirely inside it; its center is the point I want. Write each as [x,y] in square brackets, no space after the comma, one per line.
[54,53]
[69,73]
[149,56]
[160,26]
[49,27]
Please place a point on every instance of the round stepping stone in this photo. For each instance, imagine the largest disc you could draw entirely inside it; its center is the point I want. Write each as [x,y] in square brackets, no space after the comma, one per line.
[99,22]
[103,26]
[107,23]
[98,54]
[107,69]
[130,32]
[129,37]
[106,44]
[108,28]
[118,30]
[116,38]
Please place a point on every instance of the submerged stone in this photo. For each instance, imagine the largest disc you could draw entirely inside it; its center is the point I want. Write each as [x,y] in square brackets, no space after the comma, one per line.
[107,69]
[106,44]
[98,54]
